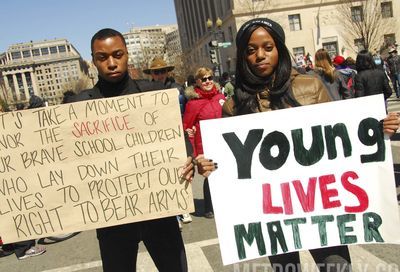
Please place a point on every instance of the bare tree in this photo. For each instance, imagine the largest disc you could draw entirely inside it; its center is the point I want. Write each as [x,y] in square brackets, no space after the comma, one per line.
[363,24]
[179,72]
[76,85]
[3,105]
[254,7]
[189,65]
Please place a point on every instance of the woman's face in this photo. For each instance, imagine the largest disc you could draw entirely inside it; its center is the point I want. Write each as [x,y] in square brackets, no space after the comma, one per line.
[262,54]
[206,83]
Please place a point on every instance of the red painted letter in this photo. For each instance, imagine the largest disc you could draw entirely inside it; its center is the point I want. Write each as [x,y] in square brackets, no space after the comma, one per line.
[287,198]
[267,201]
[357,191]
[326,193]
[306,200]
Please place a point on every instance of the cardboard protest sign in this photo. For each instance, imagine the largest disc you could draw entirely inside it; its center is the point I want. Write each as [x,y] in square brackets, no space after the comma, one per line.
[91,164]
[302,178]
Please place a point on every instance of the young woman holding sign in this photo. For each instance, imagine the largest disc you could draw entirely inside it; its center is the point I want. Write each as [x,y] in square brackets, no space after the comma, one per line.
[265,81]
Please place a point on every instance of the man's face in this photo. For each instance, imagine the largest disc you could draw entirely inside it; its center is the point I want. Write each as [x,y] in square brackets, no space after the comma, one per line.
[159,75]
[110,57]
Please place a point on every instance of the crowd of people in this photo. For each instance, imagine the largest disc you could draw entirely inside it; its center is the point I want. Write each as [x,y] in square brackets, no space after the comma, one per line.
[346,78]
[266,79]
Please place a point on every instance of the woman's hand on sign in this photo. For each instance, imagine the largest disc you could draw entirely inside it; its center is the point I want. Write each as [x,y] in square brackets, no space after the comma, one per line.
[191,131]
[188,170]
[205,166]
[391,123]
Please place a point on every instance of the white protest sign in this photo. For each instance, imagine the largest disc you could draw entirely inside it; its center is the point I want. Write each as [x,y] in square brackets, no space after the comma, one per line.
[91,164]
[302,178]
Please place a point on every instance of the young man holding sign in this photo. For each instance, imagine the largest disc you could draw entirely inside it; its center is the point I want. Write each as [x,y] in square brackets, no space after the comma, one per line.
[162,238]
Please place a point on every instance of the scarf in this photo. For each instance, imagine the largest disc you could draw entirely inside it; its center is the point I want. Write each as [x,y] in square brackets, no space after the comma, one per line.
[206,94]
[110,89]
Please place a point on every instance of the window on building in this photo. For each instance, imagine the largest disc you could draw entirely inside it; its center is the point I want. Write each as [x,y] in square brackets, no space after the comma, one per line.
[357,14]
[389,39]
[53,50]
[26,54]
[294,22]
[332,48]
[387,9]
[230,32]
[16,55]
[299,51]
[62,49]
[359,43]
[45,51]
[35,52]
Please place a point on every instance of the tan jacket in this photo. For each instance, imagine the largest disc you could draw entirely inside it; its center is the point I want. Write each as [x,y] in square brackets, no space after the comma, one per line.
[307,89]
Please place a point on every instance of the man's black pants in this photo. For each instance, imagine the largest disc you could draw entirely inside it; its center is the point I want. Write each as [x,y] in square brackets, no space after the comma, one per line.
[162,238]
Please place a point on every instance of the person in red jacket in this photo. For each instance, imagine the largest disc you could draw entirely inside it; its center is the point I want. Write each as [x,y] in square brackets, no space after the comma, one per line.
[204,102]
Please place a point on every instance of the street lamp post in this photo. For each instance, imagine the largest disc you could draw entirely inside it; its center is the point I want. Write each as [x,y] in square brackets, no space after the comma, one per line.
[215,53]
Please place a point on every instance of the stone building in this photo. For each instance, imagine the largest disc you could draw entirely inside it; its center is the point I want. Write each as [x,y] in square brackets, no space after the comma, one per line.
[309,25]
[173,55]
[145,43]
[45,68]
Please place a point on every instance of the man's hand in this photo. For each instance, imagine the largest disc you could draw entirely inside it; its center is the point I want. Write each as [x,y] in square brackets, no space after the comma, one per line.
[391,123]
[188,170]
[205,166]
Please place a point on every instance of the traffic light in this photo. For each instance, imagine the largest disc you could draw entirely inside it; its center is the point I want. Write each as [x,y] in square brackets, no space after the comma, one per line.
[213,56]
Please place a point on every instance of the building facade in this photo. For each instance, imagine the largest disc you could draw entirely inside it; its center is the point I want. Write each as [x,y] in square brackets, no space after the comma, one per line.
[173,55]
[46,69]
[309,25]
[145,43]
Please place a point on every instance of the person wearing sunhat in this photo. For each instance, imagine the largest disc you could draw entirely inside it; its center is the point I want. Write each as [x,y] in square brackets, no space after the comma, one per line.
[159,71]
[393,62]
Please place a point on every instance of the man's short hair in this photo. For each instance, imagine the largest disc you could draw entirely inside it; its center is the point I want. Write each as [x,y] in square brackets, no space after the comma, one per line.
[104,34]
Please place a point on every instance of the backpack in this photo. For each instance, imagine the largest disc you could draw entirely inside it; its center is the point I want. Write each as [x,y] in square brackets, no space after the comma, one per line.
[350,82]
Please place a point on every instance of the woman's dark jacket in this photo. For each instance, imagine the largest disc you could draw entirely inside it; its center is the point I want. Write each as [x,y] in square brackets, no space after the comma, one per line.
[370,82]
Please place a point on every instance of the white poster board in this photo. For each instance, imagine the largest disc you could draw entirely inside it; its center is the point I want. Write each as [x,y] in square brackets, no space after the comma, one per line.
[91,164]
[294,185]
